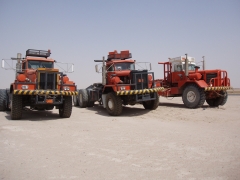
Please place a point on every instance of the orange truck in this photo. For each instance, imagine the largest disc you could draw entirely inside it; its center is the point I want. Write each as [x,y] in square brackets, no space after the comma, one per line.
[124,82]
[182,78]
[38,85]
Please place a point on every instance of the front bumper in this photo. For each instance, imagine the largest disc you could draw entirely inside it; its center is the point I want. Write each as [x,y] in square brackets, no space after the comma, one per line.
[141,91]
[44,92]
[217,88]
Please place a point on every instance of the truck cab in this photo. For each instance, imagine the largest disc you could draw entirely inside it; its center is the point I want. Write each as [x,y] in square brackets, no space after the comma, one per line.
[178,63]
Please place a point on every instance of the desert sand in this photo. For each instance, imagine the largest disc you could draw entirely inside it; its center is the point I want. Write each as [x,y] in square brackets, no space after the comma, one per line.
[172,142]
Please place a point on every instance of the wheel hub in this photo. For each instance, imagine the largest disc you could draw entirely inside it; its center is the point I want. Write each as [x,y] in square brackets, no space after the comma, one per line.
[110,104]
[191,96]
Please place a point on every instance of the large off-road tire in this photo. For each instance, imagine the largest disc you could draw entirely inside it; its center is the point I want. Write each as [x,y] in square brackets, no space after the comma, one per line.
[65,110]
[224,98]
[75,100]
[193,96]
[113,104]
[16,107]
[3,100]
[83,98]
[152,104]
[221,100]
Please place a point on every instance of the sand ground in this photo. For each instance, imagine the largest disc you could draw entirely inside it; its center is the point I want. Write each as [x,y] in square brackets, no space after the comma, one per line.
[171,142]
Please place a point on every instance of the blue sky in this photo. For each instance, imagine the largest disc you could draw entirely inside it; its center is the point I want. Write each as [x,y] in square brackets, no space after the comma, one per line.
[80,31]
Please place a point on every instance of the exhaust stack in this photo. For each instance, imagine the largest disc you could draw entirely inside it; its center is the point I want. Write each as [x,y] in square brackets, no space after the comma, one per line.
[203,65]
[186,66]
[103,72]
[18,64]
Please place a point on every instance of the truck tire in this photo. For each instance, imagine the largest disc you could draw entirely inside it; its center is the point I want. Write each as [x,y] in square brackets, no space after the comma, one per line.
[83,98]
[75,101]
[193,96]
[152,104]
[65,110]
[3,100]
[113,104]
[16,107]
[224,98]
[221,100]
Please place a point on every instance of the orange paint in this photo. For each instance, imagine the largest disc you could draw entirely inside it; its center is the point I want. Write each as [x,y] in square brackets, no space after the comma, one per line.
[21,77]
[65,79]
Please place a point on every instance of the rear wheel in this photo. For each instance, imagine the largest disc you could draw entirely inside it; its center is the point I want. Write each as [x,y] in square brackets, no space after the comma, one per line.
[83,98]
[221,100]
[193,96]
[3,100]
[152,104]
[75,101]
[65,110]
[16,107]
[113,104]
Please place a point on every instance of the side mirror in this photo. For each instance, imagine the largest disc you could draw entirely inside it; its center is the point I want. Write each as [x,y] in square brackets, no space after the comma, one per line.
[2,63]
[96,68]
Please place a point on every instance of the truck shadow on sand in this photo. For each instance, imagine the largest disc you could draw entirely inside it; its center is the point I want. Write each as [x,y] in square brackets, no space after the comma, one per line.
[174,105]
[31,115]
[128,111]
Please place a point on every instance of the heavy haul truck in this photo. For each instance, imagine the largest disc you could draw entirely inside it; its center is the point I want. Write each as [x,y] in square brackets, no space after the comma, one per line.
[122,84]
[182,78]
[38,85]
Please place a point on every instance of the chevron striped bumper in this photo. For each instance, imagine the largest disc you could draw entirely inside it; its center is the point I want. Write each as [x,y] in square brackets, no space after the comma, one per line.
[44,92]
[141,91]
[217,88]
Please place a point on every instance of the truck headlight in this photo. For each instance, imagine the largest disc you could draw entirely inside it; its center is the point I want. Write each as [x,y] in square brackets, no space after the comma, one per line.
[24,86]
[66,88]
[122,88]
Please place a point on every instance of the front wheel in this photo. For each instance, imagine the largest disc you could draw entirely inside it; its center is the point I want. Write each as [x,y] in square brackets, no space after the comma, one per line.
[16,107]
[113,104]
[193,96]
[152,104]
[65,110]
[221,100]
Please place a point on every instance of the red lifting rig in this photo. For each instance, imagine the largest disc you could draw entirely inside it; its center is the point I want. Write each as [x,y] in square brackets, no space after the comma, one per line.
[183,78]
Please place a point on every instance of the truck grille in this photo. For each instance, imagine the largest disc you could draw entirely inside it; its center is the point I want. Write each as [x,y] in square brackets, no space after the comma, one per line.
[209,76]
[140,79]
[48,81]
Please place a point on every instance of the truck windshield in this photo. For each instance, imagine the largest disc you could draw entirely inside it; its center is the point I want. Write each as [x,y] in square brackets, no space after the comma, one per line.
[191,67]
[124,66]
[39,64]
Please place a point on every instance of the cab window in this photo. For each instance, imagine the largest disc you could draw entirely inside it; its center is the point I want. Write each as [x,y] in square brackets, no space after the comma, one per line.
[39,64]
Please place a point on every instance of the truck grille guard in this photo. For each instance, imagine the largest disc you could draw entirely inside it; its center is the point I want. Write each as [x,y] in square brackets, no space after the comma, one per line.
[44,92]
[217,88]
[140,91]
[47,84]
